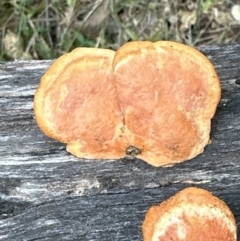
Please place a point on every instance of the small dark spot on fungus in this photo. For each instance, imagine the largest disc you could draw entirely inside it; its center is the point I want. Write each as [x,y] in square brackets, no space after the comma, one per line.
[133,151]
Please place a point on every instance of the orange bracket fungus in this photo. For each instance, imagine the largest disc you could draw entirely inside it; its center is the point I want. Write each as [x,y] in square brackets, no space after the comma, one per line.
[154,101]
[191,214]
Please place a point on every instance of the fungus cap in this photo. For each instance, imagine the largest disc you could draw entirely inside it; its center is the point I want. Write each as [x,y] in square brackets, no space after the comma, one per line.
[75,103]
[168,93]
[191,214]
[154,101]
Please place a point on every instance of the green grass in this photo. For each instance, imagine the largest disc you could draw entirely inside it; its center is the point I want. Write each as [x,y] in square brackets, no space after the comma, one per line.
[45,29]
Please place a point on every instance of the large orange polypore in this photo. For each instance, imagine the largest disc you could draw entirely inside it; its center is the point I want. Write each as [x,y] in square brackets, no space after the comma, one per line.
[156,98]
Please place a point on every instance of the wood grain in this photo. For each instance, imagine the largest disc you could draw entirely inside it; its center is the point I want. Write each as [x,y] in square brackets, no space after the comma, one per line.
[47,194]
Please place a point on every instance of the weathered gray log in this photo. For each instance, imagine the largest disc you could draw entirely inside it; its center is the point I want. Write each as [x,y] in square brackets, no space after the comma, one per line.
[47,194]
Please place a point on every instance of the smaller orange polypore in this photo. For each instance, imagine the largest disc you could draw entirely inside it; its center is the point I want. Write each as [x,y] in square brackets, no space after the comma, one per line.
[191,214]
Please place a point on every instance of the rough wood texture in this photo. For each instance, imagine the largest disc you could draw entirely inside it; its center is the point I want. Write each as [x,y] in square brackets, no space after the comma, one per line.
[47,194]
